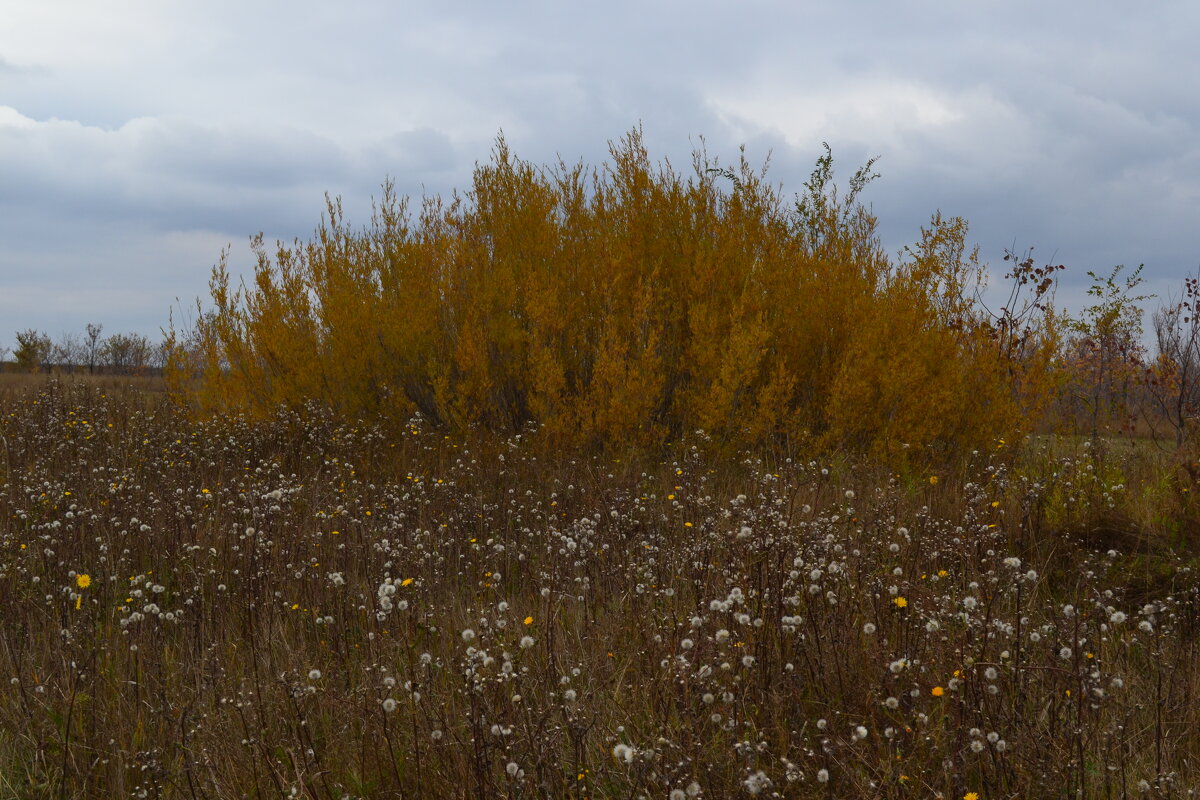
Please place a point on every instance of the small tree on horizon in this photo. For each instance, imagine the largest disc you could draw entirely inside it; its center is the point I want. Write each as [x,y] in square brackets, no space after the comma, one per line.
[69,352]
[34,350]
[1173,379]
[92,343]
[1105,352]
[126,353]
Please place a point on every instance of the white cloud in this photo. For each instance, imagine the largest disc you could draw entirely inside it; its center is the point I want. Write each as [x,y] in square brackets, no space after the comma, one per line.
[873,111]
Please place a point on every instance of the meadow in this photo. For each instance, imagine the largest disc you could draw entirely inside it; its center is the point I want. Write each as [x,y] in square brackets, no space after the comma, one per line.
[297,606]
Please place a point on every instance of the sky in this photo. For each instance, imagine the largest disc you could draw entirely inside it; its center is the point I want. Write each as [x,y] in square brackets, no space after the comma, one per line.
[140,137]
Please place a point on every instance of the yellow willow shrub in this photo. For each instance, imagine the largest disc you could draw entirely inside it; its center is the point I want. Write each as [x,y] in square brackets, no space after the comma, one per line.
[933,373]
[622,306]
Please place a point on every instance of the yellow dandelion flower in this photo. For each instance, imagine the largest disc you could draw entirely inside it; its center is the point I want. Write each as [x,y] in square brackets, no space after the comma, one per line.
[971,796]
[83,581]
[406,582]
[937,691]
[529,620]
[933,479]
[900,602]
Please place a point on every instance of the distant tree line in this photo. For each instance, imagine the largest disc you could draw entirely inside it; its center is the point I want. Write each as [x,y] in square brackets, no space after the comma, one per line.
[91,352]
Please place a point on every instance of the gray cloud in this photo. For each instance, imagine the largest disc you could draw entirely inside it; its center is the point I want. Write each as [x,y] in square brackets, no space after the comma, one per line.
[134,147]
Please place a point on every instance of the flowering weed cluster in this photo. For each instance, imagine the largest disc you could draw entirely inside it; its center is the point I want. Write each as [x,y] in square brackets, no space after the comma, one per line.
[296,607]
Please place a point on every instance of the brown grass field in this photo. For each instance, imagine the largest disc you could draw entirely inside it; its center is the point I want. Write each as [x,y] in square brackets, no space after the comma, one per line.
[297,607]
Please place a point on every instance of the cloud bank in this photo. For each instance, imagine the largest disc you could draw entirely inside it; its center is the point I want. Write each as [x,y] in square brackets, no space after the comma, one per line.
[137,138]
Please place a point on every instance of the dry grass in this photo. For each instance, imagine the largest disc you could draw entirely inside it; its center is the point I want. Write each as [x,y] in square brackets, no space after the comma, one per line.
[302,608]
[17,382]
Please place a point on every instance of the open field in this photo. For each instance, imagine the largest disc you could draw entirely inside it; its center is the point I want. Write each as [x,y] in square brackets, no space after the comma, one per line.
[13,381]
[301,608]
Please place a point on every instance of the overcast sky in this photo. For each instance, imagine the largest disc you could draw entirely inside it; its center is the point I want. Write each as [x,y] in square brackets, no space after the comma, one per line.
[139,137]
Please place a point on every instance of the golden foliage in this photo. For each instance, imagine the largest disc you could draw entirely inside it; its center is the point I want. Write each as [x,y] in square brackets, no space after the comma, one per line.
[626,304]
